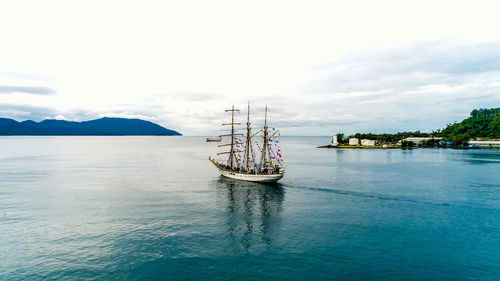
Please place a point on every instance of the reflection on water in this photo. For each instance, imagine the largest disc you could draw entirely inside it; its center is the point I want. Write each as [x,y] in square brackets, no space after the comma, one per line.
[253,211]
[480,156]
[148,208]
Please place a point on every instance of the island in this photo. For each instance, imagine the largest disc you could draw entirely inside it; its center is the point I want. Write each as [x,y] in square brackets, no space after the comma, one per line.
[480,129]
[99,127]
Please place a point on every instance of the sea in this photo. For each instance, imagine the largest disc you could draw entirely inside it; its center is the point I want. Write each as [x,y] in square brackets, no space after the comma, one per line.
[155,208]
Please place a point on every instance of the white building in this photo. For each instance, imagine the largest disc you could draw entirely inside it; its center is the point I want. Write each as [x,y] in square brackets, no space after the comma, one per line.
[335,141]
[353,141]
[419,140]
[485,143]
[367,142]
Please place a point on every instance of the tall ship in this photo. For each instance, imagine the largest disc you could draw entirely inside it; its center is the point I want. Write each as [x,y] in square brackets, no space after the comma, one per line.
[254,156]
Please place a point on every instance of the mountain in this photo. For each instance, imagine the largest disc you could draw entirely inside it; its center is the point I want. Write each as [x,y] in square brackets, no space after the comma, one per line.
[100,127]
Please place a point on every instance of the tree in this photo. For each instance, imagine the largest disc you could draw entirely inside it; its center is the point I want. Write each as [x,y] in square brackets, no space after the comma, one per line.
[431,142]
[340,138]
[407,144]
[481,123]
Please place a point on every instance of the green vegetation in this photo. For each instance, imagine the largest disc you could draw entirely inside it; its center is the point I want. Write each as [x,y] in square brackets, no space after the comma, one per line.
[340,138]
[386,138]
[483,123]
[357,146]
[407,144]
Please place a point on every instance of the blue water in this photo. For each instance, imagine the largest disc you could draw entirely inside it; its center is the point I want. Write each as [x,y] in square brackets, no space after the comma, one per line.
[149,208]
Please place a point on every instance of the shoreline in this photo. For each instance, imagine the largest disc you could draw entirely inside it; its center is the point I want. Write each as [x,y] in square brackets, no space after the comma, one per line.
[399,147]
[362,147]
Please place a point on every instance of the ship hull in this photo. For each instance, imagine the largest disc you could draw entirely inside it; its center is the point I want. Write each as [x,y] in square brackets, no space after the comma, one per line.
[253,177]
[213,139]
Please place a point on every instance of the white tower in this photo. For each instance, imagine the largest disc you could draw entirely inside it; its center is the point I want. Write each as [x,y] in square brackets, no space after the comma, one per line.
[335,141]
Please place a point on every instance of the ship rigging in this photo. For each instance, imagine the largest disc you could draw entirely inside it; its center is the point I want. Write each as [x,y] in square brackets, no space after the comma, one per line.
[248,159]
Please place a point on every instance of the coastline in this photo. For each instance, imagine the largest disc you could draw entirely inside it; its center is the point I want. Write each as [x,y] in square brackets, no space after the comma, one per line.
[363,147]
[399,147]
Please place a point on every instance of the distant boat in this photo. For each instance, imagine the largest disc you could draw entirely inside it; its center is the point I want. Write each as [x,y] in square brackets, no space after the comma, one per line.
[214,139]
[251,160]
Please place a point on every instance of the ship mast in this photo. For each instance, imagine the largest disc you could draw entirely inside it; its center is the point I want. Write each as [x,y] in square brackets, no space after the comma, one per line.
[264,148]
[248,139]
[231,152]
[232,135]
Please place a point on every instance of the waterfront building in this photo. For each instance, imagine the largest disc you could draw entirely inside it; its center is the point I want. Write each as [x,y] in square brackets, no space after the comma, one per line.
[420,140]
[487,143]
[353,141]
[367,142]
[335,141]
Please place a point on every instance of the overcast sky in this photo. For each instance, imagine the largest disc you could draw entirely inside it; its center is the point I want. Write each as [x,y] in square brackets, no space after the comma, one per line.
[321,66]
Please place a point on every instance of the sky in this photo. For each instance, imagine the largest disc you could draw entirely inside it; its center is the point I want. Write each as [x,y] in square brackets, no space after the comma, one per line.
[322,67]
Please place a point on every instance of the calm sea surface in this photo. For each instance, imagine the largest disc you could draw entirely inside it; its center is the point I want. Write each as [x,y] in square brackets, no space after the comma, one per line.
[139,208]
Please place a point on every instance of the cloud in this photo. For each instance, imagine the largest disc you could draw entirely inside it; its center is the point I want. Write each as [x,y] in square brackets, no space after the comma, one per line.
[410,67]
[197,96]
[13,113]
[419,86]
[24,76]
[24,112]
[6,89]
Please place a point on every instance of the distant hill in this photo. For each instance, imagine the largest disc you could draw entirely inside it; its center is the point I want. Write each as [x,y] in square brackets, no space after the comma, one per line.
[100,127]
[482,122]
